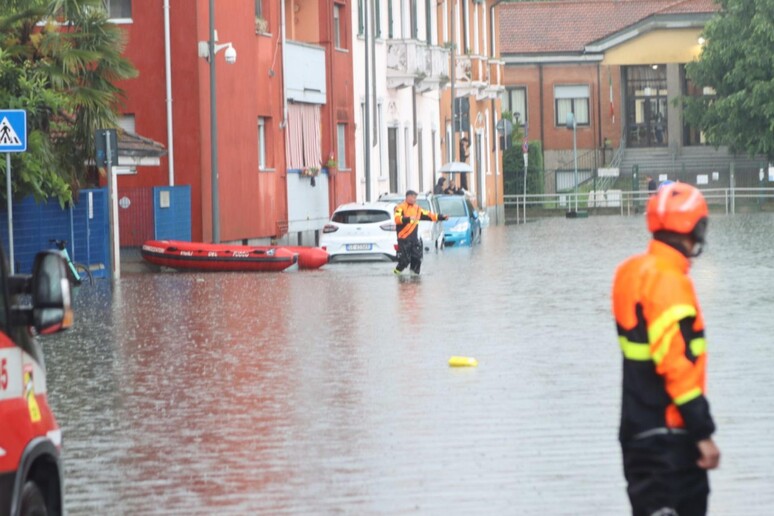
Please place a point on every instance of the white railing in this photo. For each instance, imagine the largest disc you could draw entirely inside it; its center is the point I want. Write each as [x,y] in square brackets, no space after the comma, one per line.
[626,202]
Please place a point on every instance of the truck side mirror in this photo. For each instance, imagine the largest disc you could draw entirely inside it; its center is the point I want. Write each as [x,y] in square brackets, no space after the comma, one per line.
[51,300]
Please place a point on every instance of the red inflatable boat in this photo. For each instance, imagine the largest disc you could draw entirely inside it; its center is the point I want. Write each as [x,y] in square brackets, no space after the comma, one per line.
[222,257]
[216,257]
[308,257]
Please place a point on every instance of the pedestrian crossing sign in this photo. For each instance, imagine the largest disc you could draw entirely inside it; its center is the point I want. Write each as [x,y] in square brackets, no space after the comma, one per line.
[13,130]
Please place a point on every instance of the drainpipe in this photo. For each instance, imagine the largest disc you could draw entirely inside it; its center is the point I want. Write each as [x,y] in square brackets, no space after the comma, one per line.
[495,116]
[284,123]
[168,72]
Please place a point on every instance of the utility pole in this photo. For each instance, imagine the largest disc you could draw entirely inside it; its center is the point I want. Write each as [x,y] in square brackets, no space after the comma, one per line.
[367,108]
[214,132]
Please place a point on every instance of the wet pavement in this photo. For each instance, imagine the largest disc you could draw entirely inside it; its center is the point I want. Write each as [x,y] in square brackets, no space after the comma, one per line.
[328,392]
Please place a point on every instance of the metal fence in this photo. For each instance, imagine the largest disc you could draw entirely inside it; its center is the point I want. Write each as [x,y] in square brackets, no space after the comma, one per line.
[628,202]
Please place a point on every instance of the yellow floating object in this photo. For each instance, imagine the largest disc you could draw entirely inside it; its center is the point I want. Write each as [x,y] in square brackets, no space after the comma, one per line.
[463,362]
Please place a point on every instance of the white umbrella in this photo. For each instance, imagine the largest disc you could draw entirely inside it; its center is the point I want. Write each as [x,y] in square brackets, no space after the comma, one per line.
[456,166]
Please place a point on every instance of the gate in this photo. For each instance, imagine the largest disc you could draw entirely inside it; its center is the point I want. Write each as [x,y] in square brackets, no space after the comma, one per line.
[154,213]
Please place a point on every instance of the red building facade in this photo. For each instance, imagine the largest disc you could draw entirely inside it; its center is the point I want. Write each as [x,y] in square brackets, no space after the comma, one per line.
[253,127]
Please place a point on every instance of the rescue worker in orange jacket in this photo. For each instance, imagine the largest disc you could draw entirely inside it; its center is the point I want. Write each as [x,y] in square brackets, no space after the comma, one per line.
[407,217]
[666,426]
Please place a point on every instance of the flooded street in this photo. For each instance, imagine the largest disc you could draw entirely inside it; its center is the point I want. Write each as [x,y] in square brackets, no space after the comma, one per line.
[328,392]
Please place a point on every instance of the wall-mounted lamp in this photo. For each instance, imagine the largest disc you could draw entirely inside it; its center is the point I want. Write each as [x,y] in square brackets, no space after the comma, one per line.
[701,41]
[230,54]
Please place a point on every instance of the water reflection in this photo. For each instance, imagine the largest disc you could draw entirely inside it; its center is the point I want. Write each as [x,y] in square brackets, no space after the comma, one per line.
[328,391]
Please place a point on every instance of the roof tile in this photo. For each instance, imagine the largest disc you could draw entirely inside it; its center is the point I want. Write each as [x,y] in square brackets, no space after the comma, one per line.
[561,26]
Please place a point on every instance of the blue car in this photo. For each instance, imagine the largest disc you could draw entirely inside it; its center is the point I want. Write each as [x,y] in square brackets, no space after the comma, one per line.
[463,227]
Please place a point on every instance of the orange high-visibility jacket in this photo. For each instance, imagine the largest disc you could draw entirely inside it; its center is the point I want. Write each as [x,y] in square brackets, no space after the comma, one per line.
[661,332]
[407,217]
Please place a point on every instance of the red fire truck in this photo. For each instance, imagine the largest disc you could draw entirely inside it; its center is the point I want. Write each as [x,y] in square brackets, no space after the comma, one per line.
[30,440]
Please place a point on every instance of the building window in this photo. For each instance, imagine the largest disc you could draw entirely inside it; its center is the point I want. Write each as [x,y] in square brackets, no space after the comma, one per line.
[118,9]
[449,143]
[303,149]
[572,99]
[514,101]
[445,22]
[465,28]
[127,124]
[261,143]
[420,160]
[261,17]
[338,33]
[341,146]
[429,22]
[390,20]
[377,19]
[492,39]
[433,164]
[360,18]
[414,20]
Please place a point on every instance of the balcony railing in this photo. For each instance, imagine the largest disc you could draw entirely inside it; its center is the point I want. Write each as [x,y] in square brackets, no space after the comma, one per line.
[479,70]
[494,86]
[478,75]
[495,72]
[411,62]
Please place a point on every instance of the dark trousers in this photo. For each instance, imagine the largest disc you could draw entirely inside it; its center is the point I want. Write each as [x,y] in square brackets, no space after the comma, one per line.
[663,478]
[409,252]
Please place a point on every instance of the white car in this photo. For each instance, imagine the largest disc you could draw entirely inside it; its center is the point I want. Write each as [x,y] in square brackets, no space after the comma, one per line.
[364,231]
[430,232]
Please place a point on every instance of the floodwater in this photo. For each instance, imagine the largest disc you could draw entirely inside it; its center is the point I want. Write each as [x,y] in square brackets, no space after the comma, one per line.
[328,392]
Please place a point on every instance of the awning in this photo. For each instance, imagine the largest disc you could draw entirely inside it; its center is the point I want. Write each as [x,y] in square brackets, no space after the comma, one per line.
[135,150]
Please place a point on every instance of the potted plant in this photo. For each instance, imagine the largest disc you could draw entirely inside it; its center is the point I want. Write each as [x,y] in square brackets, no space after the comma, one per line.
[261,25]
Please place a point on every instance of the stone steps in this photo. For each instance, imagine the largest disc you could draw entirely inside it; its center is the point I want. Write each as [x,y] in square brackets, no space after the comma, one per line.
[691,159]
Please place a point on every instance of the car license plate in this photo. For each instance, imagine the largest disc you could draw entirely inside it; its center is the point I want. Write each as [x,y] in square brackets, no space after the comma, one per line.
[359,247]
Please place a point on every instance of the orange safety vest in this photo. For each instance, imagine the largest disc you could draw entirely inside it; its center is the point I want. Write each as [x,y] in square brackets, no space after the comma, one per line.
[661,333]
[407,217]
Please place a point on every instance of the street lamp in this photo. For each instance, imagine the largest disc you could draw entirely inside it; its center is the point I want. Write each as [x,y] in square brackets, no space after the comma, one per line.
[208,50]
[572,124]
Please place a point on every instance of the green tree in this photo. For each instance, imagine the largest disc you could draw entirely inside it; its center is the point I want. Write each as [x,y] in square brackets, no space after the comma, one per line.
[60,61]
[513,163]
[738,63]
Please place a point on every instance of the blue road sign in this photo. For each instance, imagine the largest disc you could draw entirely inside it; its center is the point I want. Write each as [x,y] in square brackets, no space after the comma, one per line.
[13,130]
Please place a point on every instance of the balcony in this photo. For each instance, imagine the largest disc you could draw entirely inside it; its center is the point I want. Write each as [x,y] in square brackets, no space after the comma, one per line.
[494,87]
[411,62]
[479,76]
[479,71]
[463,76]
[437,69]
[305,75]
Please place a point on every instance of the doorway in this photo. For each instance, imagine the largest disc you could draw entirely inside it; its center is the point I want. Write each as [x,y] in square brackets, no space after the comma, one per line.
[392,157]
[646,106]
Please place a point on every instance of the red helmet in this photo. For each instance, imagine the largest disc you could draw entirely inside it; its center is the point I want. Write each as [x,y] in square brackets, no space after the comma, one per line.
[679,208]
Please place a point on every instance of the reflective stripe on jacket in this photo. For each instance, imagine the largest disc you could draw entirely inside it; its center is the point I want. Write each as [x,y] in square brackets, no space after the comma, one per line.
[407,217]
[661,333]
